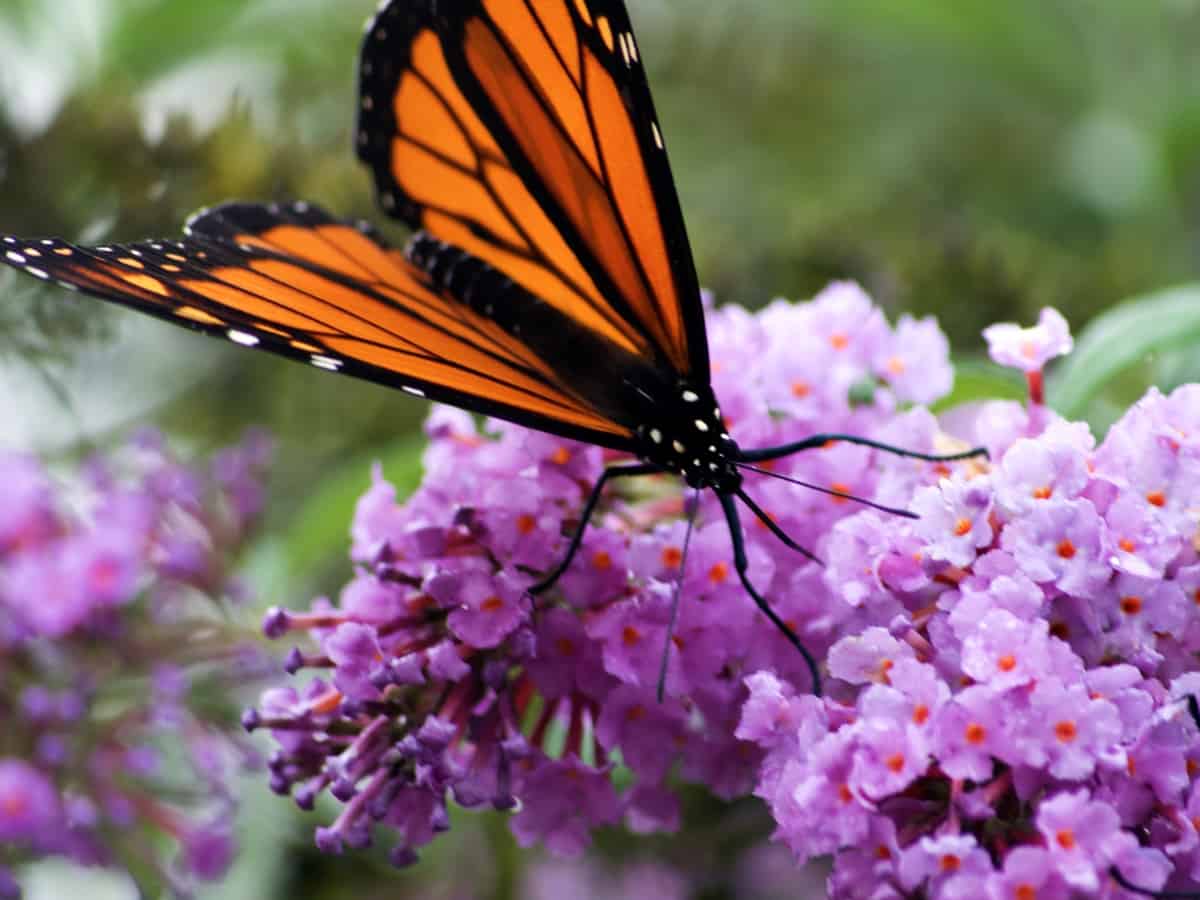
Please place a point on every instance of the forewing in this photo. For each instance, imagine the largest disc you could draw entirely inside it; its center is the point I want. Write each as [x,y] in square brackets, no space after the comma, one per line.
[523,132]
[295,281]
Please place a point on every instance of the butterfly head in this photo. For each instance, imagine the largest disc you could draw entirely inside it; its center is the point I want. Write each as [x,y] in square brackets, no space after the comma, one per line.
[689,438]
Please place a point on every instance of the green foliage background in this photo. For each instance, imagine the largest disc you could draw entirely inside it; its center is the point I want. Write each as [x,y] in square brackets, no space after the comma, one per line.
[967,158]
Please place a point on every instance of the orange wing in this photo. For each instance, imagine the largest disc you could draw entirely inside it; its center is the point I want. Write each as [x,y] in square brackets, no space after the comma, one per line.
[295,281]
[523,132]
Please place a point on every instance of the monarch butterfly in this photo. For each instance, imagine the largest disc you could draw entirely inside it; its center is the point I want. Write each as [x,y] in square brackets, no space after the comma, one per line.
[549,280]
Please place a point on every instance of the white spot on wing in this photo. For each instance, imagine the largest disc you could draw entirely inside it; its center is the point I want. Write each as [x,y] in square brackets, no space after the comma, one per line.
[416,392]
[701,425]
[679,448]
[242,337]
[658,141]
[36,273]
[656,435]
[14,256]
[690,396]
[327,362]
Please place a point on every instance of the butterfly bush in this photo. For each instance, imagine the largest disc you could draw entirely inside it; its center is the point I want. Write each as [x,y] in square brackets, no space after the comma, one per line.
[118,658]
[1006,713]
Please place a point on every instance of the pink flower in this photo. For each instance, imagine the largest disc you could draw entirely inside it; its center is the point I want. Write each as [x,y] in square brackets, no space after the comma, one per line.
[1029,349]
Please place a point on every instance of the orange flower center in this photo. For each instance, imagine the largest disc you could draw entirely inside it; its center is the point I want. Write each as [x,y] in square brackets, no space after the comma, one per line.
[975,733]
[839,341]
[718,573]
[895,762]
[565,646]
[630,635]
[885,670]
[950,863]
[636,713]
[561,456]
[1066,839]
[800,389]
[601,560]
[1127,545]
[1157,498]
[492,604]
[1025,891]
[1006,663]
[1042,493]
[841,488]
[1065,548]
[1131,605]
[962,527]
[920,714]
[1065,731]
[672,557]
[895,365]
[526,523]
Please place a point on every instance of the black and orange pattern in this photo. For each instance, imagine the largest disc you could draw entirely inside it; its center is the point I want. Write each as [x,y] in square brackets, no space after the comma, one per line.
[519,138]
[523,132]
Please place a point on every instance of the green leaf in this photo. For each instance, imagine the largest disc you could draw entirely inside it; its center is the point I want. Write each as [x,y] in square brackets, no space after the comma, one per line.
[321,529]
[152,38]
[1121,338]
[977,379]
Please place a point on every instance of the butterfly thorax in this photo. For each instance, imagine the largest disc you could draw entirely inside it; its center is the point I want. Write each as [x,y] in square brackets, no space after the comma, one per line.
[687,435]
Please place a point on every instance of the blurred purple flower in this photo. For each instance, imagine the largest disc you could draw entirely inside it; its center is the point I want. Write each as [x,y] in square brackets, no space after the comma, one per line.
[84,570]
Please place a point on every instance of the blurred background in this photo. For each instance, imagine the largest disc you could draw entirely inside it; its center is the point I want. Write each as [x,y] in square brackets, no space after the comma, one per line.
[964,158]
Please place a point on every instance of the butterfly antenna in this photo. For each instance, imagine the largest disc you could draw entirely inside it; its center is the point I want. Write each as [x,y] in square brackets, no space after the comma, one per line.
[687,539]
[761,515]
[893,510]
[1146,892]
[741,564]
[819,440]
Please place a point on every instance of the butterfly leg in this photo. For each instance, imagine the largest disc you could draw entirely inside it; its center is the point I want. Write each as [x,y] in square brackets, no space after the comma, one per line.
[765,453]
[741,564]
[588,508]
[761,515]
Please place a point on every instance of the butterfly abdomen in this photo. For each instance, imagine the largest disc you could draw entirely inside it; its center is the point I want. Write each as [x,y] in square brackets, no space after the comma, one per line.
[466,278]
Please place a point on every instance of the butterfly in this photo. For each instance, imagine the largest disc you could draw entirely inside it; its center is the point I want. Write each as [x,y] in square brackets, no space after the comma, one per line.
[548,281]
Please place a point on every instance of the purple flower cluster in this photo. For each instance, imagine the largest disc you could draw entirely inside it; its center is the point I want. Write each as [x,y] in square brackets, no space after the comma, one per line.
[115,642]
[435,676]
[1007,711]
